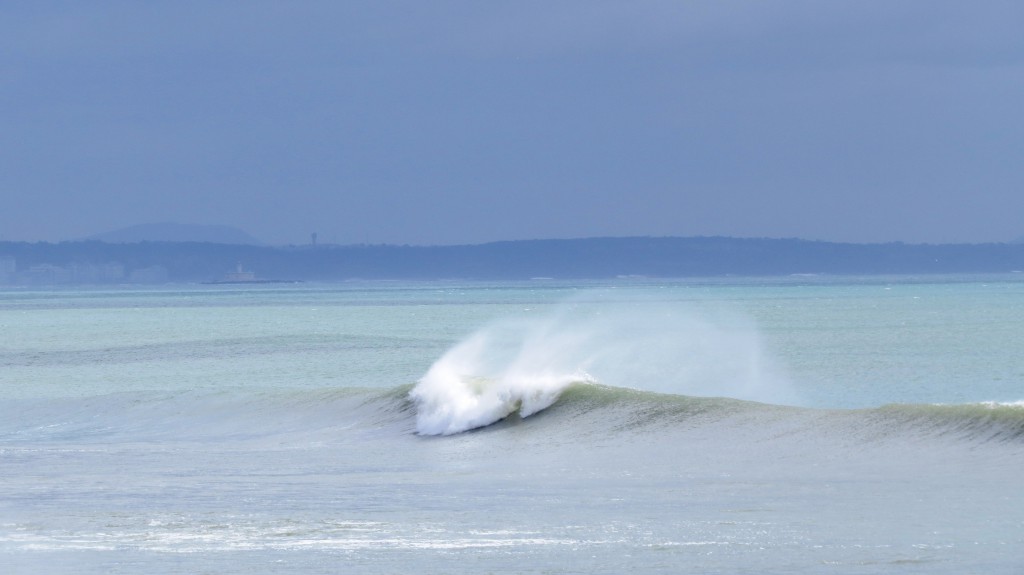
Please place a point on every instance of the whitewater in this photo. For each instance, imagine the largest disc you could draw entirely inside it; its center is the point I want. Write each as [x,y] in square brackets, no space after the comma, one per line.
[745,425]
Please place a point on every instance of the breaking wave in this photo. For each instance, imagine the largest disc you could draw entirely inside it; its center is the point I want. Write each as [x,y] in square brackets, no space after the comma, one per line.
[522,366]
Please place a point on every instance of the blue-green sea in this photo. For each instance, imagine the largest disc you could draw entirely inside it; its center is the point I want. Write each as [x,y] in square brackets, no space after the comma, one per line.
[733,425]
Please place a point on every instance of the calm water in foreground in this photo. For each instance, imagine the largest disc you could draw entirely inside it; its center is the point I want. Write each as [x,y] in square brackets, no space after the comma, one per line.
[804,425]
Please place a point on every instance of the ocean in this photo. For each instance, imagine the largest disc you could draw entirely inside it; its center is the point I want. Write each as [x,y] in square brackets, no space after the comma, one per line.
[738,425]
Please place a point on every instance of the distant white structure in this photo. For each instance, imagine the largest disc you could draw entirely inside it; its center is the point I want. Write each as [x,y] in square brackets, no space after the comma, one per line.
[239,275]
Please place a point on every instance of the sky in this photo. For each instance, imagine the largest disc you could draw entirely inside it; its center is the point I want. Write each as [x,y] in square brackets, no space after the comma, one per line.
[453,122]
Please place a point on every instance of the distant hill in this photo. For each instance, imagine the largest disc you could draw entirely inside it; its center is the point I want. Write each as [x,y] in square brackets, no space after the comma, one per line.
[171,232]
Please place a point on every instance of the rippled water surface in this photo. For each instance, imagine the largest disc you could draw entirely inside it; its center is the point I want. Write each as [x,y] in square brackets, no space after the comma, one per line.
[803,425]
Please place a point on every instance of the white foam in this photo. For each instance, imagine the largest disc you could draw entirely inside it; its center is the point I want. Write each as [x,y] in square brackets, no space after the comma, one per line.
[200,538]
[995,404]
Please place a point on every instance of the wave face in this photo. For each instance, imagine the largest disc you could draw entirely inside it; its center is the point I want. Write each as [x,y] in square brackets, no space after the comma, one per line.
[522,366]
[586,413]
[573,412]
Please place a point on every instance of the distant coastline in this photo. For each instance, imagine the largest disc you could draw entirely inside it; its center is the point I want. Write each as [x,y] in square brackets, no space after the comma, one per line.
[250,282]
[95,262]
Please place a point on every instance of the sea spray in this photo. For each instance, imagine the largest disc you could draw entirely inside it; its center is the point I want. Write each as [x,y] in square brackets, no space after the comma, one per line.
[522,365]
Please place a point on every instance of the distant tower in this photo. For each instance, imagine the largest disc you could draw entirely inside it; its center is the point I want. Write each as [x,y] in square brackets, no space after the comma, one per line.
[312,238]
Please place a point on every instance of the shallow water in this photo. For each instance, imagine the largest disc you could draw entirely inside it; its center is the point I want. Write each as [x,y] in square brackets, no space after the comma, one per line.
[195,430]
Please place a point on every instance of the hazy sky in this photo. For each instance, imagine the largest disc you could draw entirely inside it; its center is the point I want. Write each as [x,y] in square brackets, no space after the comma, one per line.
[465,121]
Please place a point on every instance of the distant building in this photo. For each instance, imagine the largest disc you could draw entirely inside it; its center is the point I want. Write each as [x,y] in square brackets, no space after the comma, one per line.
[111,272]
[150,275]
[8,267]
[84,273]
[47,274]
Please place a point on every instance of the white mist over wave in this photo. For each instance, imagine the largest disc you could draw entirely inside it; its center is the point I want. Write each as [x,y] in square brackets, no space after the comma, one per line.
[523,365]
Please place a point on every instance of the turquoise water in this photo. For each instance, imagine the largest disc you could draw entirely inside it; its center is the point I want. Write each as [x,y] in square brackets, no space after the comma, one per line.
[840,345]
[738,425]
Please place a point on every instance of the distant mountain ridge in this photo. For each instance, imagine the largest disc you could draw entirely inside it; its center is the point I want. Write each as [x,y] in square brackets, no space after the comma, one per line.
[174,232]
